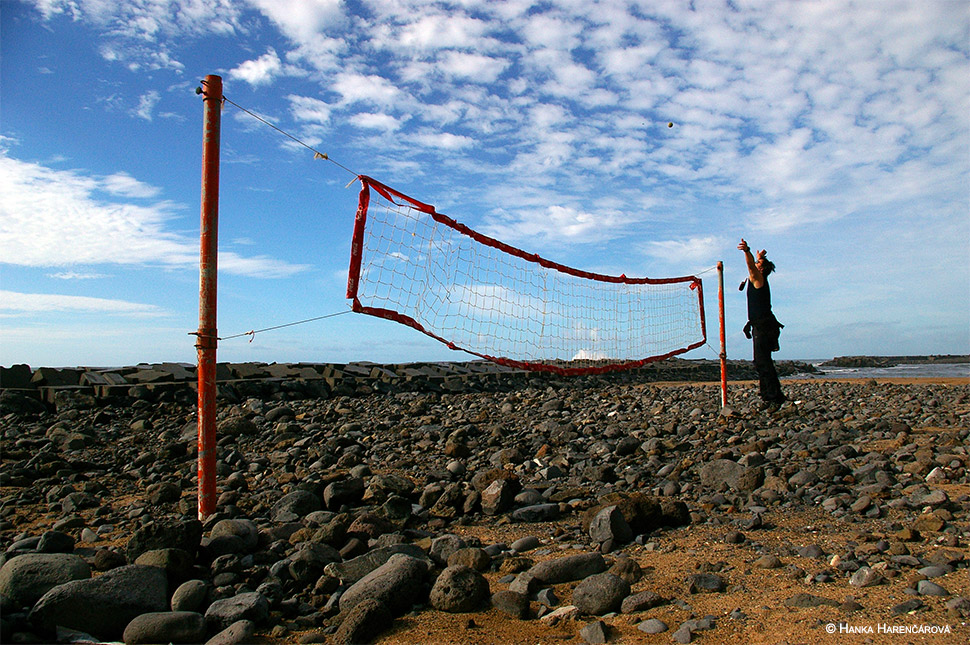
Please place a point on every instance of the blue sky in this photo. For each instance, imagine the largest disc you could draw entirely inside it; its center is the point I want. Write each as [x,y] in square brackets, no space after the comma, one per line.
[835,134]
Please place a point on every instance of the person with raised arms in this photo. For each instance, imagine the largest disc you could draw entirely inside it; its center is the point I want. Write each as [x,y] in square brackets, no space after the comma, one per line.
[762,326]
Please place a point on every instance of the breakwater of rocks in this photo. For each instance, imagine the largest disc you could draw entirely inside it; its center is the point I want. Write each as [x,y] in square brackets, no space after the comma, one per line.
[238,381]
[340,514]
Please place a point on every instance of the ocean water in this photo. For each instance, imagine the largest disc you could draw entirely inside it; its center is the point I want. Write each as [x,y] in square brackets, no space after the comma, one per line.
[929,370]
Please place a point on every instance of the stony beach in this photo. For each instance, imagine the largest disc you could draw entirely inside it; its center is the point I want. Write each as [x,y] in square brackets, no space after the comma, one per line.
[533,509]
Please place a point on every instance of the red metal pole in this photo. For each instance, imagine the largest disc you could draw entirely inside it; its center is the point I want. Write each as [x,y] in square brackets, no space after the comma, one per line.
[720,311]
[207,336]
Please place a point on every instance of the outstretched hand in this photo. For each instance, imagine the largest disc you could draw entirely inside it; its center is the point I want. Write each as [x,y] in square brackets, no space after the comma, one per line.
[743,246]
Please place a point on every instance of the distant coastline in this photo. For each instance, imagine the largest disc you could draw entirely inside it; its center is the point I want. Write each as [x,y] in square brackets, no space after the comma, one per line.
[893,361]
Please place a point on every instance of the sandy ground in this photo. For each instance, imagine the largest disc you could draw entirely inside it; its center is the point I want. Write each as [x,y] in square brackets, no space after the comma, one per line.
[760,594]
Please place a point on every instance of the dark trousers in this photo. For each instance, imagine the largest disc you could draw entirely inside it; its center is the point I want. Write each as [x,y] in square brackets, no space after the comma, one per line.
[764,342]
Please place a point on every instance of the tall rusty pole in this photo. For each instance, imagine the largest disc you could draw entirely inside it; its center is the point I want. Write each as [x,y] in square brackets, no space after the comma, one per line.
[720,309]
[207,336]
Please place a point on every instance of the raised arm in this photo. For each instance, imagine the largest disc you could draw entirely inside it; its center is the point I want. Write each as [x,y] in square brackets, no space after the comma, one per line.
[754,273]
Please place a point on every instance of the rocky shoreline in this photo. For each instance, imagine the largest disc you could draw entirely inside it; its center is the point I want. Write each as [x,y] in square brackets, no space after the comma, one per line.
[893,361]
[536,507]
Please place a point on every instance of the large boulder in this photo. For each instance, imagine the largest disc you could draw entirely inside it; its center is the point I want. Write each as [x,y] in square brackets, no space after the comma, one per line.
[643,513]
[600,594]
[363,622]
[459,589]
[103,606]
[25,578]
[166,534]
[166,627]
[225,612]
[294,506]
[568,568]
[398,583]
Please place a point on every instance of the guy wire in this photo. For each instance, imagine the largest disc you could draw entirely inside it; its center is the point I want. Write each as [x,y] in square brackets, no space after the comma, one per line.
[316,153]
[252,332]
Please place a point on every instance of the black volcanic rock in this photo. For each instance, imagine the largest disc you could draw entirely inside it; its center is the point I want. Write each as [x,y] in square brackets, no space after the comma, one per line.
[409,468]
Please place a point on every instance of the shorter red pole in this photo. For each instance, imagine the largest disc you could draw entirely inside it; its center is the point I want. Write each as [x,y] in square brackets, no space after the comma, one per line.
[207,336]
[720,310]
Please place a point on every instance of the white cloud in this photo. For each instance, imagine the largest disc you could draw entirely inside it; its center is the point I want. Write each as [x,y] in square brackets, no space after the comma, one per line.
[570,79]
[124,185]
[52,218]
[51,8]
[686,252]
[261,71]
[34,303]
[777,219]
[481,69]
[368,88]
[74,275]
[257,266]
[442,140]
[544,116]
[149,20]
[306,108]
[158,60]
[302,20]
[550,152]
[141,33]
[551,30]
[378,121]
[628,62]
[552,224]
[437,31]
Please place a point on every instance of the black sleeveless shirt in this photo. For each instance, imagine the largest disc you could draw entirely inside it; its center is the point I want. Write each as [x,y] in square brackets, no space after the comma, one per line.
[759,301]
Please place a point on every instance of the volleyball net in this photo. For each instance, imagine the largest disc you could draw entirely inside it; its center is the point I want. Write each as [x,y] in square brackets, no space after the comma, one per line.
[415,266]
